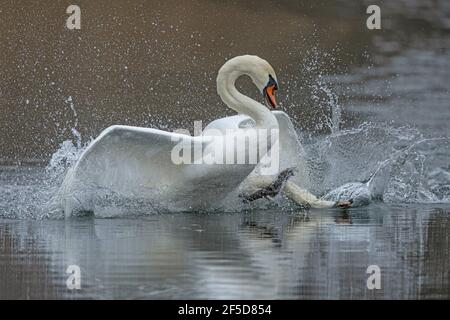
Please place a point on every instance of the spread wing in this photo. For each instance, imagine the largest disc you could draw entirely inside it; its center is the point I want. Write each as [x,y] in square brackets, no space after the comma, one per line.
[132,156]
[143,163]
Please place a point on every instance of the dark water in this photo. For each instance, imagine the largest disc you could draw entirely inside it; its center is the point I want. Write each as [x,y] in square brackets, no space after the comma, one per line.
[132,59]
[260,255]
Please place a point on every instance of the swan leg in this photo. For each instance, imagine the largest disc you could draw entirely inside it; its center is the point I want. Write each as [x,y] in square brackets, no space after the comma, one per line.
[304,197]
[292,191]
[272,189]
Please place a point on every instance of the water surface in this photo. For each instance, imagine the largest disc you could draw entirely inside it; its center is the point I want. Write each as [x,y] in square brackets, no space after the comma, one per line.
[257,255]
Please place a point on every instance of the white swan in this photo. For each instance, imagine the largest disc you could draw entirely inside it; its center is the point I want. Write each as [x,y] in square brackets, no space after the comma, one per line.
[138,163]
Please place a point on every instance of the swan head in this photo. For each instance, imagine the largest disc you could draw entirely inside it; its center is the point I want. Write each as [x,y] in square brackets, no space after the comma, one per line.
[259,70]
[264,78]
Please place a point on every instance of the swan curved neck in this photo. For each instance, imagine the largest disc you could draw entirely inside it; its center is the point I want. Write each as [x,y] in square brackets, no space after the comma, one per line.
[235,100]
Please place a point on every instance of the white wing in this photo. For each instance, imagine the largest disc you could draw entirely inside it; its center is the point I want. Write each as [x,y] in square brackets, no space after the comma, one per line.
[122,155]
[137,162]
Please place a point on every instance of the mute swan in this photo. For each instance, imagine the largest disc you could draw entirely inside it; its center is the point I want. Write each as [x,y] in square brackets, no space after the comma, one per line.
[137,163]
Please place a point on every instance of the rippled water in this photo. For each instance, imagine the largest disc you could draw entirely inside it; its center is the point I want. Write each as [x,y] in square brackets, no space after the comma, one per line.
[259,255]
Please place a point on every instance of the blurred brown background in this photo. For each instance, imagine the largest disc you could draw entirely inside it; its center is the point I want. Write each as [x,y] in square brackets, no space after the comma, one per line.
[154,63]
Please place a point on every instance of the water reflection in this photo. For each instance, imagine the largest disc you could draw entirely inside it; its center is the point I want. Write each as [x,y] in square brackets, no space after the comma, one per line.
[270,255]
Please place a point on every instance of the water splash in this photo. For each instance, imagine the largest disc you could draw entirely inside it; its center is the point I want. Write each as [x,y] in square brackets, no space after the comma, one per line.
[330,103]
[314,93]
[74,130]
[30,192]
[68,152]
[397,165]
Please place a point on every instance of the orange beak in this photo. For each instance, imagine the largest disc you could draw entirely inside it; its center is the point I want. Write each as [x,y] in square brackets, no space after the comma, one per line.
[269,94]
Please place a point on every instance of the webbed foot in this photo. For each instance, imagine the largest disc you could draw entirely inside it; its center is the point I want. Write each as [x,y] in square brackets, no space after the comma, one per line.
[272,189]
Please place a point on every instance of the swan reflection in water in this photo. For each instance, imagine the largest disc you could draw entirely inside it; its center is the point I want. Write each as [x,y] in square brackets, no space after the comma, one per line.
[270,254]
